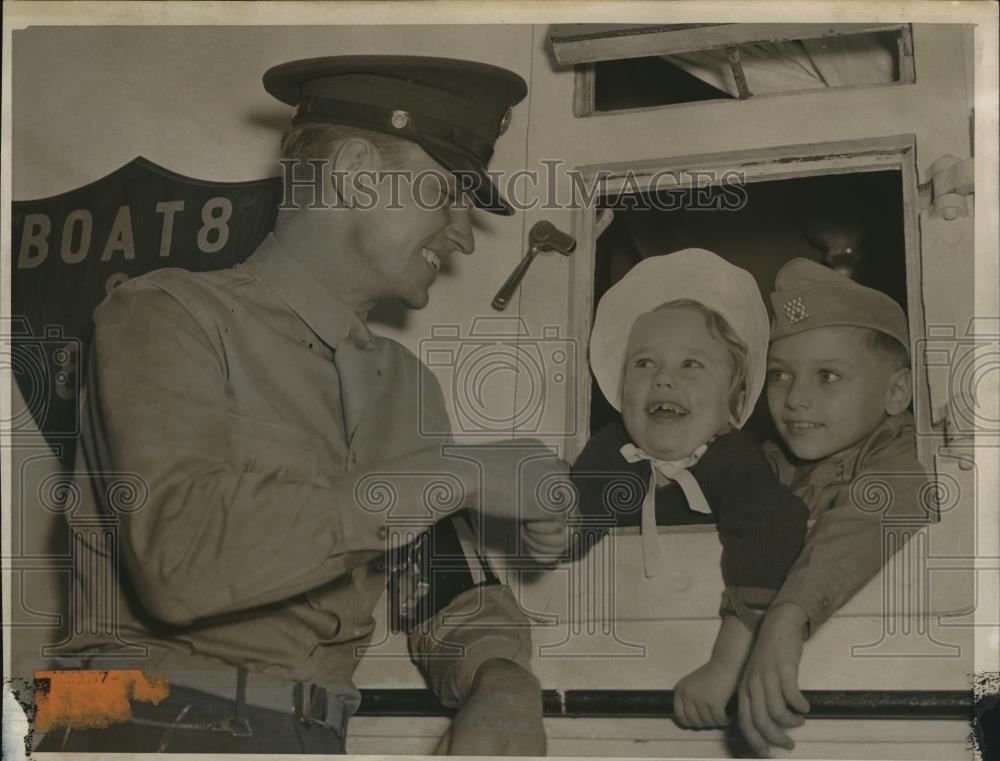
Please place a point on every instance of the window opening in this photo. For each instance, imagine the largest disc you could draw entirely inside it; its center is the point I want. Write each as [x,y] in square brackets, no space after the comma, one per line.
[852,222]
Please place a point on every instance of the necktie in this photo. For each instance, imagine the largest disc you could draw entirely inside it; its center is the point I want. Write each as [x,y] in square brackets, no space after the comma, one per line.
[674,470]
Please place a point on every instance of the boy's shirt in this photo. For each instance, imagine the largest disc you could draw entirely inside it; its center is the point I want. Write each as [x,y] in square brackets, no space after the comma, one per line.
[848,502]
[761,522]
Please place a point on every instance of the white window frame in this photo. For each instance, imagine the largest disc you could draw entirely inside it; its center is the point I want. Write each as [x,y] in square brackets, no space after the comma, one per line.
[896,152]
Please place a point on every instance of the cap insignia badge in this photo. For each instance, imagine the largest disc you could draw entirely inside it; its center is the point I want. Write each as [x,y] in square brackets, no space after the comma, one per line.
[505,121]
[400,119]
[795,310]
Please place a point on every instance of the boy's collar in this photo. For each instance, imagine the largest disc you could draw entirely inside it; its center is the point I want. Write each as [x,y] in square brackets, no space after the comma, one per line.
[843,466]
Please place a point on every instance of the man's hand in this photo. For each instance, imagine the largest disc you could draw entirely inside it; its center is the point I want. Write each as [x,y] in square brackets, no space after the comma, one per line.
[769,688]
[545,541]
[519,480]
[502,716]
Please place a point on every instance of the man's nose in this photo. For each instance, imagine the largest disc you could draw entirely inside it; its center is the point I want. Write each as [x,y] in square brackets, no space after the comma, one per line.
[459,231]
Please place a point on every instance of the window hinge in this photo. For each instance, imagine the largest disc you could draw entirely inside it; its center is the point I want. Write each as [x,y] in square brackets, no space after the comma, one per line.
[950,180]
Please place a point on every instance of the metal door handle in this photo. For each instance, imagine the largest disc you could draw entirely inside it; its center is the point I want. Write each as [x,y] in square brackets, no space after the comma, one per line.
[544,236]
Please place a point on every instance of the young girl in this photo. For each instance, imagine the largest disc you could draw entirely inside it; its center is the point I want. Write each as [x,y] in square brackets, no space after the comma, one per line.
[679,347]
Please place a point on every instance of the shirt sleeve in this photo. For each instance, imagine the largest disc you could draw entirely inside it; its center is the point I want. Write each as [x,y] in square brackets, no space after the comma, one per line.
[761,525]
[212,536]
[880,508]
[479,625]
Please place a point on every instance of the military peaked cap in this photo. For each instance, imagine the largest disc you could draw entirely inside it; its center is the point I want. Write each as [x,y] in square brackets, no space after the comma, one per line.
[454,110]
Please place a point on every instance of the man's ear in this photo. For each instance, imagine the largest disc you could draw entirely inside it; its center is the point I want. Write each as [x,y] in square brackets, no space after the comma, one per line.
[353,171]
[899,391]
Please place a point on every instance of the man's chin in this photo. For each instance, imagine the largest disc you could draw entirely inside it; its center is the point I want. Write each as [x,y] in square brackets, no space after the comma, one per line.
[418,301]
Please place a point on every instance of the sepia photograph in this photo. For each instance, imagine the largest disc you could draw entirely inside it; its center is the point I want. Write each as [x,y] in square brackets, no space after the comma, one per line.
[614,380]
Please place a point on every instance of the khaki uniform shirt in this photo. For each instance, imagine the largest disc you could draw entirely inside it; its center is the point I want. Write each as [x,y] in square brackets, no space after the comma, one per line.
[231,401]
[854,497]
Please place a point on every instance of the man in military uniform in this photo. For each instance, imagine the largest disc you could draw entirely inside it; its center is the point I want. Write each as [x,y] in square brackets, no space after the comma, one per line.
[265,417]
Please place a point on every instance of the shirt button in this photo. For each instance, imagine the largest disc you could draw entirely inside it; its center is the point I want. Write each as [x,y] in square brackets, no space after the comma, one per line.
[383,532]
[824,602]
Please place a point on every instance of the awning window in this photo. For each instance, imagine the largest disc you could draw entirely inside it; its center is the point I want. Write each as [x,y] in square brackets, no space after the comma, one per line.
[625,67]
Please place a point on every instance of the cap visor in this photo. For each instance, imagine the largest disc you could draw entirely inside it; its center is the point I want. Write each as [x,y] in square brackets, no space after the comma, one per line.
[473,180]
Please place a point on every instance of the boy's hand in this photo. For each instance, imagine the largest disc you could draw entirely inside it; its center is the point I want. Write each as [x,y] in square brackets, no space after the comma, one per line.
[770,682]
[700,698]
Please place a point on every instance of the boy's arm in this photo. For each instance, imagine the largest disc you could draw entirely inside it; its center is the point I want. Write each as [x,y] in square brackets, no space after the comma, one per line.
[761,525]
[843,552]
[847,546]
[770,681]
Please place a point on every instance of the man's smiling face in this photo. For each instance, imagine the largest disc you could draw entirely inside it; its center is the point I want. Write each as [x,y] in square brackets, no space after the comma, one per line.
[412,229]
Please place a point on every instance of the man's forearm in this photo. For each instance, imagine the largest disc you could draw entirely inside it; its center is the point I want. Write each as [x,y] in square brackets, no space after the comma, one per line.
[505,677]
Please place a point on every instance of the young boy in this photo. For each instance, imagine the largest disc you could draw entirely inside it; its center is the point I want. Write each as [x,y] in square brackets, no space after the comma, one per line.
[838,389]
[679,347]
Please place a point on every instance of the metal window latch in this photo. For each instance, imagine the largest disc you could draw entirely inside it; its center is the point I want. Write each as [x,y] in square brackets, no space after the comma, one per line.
[544,236]
[959,417]
[951,180]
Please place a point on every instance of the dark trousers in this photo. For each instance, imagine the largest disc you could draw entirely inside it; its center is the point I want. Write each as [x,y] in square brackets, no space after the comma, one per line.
[190,721]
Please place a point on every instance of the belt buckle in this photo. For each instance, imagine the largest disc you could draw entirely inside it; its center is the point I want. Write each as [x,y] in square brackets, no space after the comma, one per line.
[310,702]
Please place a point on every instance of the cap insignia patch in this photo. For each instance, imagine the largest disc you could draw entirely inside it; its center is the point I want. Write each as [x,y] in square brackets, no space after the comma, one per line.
[795,310]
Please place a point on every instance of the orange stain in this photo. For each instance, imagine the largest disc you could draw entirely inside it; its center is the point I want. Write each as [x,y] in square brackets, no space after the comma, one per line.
[88,699]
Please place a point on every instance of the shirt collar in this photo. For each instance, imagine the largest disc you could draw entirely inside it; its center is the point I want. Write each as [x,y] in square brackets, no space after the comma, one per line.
[843,466]
[283,272]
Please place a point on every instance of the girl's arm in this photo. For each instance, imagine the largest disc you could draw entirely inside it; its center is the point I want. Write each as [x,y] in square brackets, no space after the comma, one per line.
[700,698]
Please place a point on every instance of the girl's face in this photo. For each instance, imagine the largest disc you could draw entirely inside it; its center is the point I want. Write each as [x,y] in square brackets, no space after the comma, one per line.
[676,389]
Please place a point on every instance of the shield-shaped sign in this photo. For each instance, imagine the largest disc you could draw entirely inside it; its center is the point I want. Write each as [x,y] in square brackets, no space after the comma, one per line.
[69,251]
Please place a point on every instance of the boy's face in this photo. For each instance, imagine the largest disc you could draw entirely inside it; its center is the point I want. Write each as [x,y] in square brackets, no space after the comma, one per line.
[675,392]
[827,391]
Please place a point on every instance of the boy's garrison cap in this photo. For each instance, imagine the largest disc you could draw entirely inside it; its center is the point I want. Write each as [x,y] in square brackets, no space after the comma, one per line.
[454,110]
[809,295]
